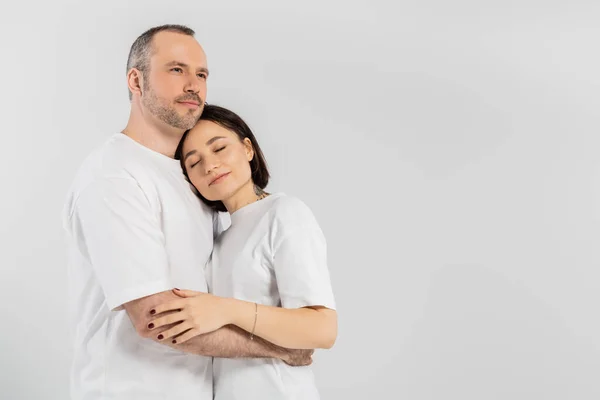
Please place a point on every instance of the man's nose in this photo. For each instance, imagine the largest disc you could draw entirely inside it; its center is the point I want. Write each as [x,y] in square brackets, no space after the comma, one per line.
[192,86]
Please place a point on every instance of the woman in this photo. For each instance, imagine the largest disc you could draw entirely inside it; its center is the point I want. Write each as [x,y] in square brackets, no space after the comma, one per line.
[268,272]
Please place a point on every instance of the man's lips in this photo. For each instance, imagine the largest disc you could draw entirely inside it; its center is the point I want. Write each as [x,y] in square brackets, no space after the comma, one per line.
[219,178]
[190,103]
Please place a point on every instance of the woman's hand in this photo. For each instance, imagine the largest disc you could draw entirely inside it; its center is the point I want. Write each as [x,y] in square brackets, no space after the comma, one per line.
[195,313]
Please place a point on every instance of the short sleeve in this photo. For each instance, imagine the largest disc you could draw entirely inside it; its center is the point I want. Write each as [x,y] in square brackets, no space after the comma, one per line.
[300,262]
[116,229]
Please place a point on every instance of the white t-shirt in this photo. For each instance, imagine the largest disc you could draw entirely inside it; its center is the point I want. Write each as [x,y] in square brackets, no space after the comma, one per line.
[274,253]
[133,228]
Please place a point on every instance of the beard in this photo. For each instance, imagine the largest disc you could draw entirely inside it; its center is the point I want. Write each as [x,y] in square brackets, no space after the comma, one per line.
[165,111]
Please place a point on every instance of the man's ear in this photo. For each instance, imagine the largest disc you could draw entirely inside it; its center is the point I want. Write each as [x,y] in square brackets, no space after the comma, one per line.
[135,81]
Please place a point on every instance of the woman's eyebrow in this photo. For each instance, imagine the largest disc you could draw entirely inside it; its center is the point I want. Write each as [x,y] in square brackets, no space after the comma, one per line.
[189,154]
[211,141]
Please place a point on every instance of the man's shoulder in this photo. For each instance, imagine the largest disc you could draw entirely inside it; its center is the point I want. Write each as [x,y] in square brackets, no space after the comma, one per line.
[115,158]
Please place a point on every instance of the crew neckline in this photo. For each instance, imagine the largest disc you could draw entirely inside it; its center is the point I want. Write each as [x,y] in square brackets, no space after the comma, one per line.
[240,213]
[168,161]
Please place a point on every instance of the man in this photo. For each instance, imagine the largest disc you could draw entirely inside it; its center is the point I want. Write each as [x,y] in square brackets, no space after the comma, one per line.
[135,230]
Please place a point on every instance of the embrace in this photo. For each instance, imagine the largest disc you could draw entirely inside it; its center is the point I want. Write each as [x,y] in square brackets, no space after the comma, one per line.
[165,303]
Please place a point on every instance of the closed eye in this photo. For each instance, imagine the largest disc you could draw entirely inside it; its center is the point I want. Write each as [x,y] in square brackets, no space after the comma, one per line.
[219,149]
[194,164]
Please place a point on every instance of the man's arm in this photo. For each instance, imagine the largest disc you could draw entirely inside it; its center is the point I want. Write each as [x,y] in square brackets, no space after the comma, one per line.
[227,342]
[115,226]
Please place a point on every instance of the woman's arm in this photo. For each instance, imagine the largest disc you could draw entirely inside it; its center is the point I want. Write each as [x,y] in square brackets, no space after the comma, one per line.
[300,328]
[198,313]
[227,342]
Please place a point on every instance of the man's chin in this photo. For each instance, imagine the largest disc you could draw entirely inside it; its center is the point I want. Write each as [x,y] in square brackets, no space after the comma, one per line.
[188,121]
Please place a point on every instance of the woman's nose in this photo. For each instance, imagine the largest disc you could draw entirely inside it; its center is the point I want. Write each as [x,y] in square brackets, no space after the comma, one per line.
[210,163]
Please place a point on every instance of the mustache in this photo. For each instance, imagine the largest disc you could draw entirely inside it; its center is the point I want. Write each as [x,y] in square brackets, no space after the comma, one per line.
[190,97]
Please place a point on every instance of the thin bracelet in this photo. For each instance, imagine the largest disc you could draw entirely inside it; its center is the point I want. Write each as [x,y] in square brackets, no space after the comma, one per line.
[255,318]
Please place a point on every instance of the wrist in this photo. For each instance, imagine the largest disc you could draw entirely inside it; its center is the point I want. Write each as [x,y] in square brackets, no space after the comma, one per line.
[277,352]
[229,310]
[237,311]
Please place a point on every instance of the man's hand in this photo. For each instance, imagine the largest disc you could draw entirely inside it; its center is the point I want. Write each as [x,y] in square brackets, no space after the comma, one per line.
[298,358]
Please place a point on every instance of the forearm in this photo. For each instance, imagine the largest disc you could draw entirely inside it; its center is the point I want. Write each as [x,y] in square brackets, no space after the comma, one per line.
[301,328]
[230,342]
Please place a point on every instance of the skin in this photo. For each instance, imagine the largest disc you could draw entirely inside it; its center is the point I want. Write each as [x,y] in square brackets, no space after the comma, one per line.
[211,151]
[162,108]
[162,105]
[217,163]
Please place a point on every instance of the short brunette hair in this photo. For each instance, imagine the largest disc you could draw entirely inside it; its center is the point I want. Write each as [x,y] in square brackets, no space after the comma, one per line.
[231,121]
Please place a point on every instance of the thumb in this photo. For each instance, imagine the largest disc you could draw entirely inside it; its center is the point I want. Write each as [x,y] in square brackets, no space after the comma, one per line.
[185,293]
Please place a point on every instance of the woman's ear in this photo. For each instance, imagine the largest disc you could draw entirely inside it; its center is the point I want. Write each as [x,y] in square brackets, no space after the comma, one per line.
[249,149]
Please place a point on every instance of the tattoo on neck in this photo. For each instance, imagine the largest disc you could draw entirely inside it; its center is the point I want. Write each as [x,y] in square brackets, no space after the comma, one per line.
[261,194]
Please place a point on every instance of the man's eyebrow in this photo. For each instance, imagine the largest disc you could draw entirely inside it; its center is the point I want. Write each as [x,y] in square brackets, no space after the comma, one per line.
[211,141]
[184,65]
[189,154]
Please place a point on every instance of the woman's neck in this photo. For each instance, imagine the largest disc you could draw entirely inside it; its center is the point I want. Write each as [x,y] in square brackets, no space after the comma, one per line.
[247,194]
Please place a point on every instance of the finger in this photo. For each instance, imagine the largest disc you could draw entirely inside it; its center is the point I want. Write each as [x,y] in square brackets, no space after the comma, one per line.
[166,320]
[174,331]
[169,306]
[186,293]
[186,336]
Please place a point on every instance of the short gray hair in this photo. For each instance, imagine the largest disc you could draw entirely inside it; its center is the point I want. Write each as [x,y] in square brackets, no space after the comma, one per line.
[141,49]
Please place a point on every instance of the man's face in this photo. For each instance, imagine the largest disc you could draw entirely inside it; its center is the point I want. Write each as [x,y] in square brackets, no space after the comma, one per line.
[174,90]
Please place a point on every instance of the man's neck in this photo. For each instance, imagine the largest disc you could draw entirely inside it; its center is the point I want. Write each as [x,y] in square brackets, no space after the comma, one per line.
[155,135]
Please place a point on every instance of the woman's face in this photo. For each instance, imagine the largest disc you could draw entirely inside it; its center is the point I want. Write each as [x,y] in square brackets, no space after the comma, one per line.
[216,160]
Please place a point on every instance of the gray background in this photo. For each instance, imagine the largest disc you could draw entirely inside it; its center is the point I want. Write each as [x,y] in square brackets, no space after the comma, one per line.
[448,148]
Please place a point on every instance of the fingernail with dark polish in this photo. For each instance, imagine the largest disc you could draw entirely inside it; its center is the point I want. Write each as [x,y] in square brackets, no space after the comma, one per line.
[160,337]
[150,325]
[174,341]
[177,289]
[153,311]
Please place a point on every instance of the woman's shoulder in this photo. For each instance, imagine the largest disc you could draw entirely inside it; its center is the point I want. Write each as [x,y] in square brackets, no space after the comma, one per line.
[285,203]
[289,209]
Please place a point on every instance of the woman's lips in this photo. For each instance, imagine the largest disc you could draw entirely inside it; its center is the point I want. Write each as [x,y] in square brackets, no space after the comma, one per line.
[219,178]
